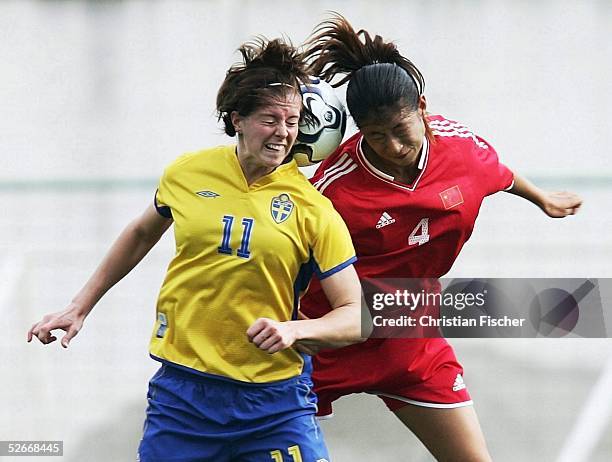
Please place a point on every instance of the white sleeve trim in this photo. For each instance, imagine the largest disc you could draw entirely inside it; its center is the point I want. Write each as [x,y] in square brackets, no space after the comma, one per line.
[424,404]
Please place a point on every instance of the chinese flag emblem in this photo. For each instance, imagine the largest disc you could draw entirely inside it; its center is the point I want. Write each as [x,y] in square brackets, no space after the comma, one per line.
[451,197]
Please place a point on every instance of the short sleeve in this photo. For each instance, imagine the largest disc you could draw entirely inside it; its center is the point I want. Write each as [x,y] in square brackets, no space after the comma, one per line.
[332,247]
[161,203]
[493,175]
[164,210]
[163,199]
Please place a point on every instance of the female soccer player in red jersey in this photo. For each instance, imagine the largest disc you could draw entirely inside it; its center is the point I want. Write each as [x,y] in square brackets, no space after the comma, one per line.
[409,185]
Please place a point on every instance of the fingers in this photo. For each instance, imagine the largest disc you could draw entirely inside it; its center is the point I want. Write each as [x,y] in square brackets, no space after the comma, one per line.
[576,204]
[44,335]
[261,330]
[269,335]
[568,199]
[562,204]
[256,328]
[69,336]
[571,208]
[29,338]
[267,338]
[42,330]
[274,347]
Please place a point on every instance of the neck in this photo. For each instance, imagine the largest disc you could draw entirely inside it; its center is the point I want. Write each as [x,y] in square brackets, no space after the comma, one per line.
[253,172]
[400,173]
[251,169]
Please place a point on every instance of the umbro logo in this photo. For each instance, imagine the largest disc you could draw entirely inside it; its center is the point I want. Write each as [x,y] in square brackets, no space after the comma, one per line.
[459,383]
[385,220]
[207,194]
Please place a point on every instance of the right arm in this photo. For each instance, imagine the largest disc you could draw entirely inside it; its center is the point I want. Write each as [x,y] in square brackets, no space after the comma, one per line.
[128,250]
[554,204]
[340,327]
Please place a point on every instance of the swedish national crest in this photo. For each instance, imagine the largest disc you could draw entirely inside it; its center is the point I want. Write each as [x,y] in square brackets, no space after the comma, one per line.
[281,207]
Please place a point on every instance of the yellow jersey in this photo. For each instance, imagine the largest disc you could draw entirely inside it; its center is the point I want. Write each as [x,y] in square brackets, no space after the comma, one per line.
[242,252]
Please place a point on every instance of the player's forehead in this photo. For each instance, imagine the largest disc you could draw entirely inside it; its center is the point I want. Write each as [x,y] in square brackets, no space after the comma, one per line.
[284,106]
[389,118]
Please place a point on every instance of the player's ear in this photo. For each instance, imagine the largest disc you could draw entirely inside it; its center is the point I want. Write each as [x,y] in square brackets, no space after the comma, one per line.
[236,121]
[422,105]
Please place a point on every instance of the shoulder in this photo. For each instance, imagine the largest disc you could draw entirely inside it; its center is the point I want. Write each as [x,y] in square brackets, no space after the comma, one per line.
[458,146]
[340,168]
[203,158]
[451,132]
[307,193]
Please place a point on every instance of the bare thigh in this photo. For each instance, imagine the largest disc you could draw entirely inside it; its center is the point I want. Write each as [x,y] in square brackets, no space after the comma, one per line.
[449,434]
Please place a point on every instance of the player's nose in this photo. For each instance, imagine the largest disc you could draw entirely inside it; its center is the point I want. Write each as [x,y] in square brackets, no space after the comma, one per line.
[281,130]
[395,146]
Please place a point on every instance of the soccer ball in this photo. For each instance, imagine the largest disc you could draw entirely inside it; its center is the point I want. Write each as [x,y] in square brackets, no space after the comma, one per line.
[316,141]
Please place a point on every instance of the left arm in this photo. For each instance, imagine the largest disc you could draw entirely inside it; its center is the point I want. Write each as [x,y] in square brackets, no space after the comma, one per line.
[555,204]
[338,328]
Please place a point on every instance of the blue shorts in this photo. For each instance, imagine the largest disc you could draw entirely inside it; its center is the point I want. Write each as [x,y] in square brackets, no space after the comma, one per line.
[192,417]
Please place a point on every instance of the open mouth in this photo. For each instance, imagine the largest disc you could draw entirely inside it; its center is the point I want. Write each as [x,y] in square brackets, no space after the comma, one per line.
[275,147]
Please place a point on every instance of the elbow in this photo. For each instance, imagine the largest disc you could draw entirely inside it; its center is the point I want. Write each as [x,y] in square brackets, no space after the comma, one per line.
[138,233]
[360,337]
[366,327]
[360,330]
[353,340]
[143,234]
[358,334]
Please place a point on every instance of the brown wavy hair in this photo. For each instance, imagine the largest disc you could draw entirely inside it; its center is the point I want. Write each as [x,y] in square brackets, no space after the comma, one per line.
[269,70]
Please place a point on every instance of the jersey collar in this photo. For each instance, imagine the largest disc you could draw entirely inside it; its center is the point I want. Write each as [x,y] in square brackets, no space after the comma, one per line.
[424,156]
[288,168]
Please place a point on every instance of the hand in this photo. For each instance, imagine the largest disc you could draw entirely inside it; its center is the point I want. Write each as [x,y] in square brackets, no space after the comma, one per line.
[69,320]
[272,336]
[561,204]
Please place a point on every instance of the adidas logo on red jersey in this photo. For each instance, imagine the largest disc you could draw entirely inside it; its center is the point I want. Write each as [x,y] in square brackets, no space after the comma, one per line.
[384,220]
[459,383]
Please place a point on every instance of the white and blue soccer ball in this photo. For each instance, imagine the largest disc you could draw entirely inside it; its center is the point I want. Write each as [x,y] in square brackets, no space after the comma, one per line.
[317,140]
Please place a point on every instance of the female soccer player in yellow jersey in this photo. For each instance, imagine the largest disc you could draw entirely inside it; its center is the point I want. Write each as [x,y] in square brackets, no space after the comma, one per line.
[250,230]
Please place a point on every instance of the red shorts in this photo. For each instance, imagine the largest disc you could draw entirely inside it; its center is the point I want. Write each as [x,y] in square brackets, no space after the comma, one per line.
[401,371]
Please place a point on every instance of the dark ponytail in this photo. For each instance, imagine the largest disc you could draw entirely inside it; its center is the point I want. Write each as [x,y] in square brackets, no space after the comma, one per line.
[378,75]
[269,70]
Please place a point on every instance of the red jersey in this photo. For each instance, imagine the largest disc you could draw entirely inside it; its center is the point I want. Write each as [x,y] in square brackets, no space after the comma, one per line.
[416,230]
[404,231]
